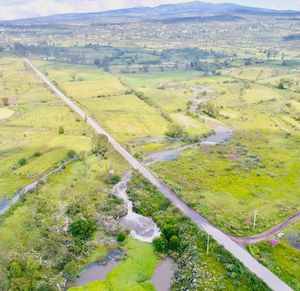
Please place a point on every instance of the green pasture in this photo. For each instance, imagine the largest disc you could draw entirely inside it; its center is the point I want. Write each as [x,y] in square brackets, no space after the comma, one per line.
[32,132]
[284,258]
[131,274]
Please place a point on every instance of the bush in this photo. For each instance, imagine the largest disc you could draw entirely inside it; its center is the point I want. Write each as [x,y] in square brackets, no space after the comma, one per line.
[160,244]
[83,229]
[100,146]
[22,162]
[281,85]
[113,179]
[121,237]
[71,270]
[5,101]
[71,154]
[174,243]
[37,154]
[175,131]
[61,130]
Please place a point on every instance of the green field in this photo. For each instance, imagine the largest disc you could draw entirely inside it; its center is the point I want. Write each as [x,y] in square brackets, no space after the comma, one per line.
[259,166]
[131,274]
[284,258]
[124,115]
[154,82]
[32,132]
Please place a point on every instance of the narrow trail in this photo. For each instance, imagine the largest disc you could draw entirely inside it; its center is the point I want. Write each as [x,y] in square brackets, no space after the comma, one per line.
[265,235]
[234,248]
[280,125]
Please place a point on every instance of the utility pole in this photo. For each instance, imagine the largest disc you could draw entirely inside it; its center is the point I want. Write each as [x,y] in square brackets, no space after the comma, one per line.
[207,247]
[254,218]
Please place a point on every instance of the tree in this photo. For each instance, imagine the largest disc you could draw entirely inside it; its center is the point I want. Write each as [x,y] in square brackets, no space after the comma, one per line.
[71,154]
[61,130]
[174,243]
[71,270]
[83,229]
[175,131]
[5,101]
[281,85]
[100,146]
[22,162]
[160,244]
[121,237]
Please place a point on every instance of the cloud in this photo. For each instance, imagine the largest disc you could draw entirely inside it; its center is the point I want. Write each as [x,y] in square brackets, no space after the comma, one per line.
[13,9]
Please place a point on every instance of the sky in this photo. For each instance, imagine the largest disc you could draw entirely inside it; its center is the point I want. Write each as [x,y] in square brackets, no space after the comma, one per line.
[15,9]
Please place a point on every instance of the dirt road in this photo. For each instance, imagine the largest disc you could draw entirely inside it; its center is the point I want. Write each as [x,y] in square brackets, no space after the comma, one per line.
[234,248]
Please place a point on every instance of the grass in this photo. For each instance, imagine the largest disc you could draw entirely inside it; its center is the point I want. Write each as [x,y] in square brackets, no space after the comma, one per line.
[172,98]
[22,230]
[212,271]
[33,128]
[132,273]
[259,166]
[282,259]
[125,116]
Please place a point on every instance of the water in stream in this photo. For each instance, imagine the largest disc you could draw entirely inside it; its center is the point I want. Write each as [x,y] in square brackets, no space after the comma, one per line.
[163,275]
[141,228]
[144,228]
[221,134]
[97,270]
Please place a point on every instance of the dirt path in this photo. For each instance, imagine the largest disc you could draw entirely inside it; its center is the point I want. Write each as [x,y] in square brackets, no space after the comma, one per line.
[32,186]
[234,248]
[265,235]
[280,125]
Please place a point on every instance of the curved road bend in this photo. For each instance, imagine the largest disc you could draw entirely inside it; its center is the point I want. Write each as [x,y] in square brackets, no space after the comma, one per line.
[263,236]
[234,248]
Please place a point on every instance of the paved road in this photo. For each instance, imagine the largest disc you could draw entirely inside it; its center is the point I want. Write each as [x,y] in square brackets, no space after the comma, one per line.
[263,236]
[235,249]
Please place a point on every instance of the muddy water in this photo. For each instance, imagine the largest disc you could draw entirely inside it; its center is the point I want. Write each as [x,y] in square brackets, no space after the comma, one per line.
[163,275]
[141,228]
[221,134]
[144,228]
[97,270]
[167,155]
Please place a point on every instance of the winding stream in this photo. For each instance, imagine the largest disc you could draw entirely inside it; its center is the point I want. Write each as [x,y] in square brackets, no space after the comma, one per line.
[141,228]
[97,270]
[163,275]
[221,134]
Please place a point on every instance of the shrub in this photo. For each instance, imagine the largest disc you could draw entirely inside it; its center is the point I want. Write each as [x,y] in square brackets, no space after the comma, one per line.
[100,146]
[5,101]
[61,130]
[22,162]
[175,131]
[121,237]
[71,270]
[174,243]
[71,154]
[160,244]
[281,85]
[37,154]
[83,229]
[113,179]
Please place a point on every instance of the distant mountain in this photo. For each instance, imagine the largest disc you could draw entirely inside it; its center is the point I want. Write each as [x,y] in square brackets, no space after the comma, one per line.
[191,9]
